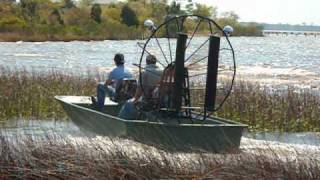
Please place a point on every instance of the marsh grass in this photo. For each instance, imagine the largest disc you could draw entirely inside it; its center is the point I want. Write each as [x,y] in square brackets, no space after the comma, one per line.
[267,108]
[57,156]
[53,156]
[286,110]
[31,95]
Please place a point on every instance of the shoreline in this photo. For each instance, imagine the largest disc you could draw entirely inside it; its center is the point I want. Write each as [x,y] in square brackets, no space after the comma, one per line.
[55,38]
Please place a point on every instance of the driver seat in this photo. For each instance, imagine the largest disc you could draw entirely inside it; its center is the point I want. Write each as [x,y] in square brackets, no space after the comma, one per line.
[125,89]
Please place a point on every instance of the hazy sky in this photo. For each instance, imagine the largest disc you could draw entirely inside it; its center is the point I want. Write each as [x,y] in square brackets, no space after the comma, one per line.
[271,11]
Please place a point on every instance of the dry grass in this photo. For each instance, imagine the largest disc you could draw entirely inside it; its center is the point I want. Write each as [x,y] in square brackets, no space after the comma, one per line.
[53,156]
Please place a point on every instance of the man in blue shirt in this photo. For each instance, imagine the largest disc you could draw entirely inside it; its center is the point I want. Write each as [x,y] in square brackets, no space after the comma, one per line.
[117,74]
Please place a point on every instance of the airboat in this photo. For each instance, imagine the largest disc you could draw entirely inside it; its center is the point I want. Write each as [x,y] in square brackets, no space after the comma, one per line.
[177,124]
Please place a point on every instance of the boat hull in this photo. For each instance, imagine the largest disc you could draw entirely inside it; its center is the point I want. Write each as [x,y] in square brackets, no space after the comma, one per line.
[214,135]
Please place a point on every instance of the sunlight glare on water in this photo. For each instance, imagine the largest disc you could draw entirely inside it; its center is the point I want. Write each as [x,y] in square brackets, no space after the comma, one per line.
[271,59]
[275,51]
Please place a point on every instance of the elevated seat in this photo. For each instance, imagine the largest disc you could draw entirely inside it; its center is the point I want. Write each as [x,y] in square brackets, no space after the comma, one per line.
[125,89]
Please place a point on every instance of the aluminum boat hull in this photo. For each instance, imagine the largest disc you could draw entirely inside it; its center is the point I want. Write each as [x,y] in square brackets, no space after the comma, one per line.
[213,134]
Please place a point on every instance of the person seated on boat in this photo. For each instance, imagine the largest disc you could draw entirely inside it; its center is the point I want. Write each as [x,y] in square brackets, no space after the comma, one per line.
[109,86]
[150,80]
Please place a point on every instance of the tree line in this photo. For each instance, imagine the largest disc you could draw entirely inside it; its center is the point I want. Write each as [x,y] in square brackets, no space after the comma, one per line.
[43,20]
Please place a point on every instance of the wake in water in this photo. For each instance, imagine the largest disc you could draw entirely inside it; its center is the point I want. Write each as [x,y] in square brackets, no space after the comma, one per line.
[61,131]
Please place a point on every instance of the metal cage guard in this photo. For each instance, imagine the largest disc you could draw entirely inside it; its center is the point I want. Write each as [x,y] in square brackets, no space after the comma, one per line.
[175,80]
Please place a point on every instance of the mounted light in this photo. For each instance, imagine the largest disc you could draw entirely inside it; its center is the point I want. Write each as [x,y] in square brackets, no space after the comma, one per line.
[149,24]
[228,30]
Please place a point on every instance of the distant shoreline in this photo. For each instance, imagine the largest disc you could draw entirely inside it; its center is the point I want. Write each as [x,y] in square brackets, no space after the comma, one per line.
[36,21]
[10,37]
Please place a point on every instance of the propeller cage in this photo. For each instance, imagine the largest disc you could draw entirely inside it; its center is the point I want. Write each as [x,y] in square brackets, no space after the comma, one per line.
[175,85]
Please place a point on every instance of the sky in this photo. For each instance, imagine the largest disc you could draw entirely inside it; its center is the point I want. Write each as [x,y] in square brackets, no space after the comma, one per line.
[271,11]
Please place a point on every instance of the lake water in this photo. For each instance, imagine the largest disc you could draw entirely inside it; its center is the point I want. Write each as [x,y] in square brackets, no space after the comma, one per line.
[270,60]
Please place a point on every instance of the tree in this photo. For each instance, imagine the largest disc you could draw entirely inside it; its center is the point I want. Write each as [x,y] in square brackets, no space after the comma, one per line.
[206,11]
[29,6]
[11,23]
[7,1]
[85,3]
[5,8]
[129,17]
[158,10]
[190,7]
[175,8]
[228,18]
[56,16]
[96,13]
[232,16]
[112,13]
[69,4]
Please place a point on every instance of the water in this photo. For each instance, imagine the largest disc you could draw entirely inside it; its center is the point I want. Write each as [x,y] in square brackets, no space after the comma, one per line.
[292,145]
[68,128]
[305,138]
[272,59]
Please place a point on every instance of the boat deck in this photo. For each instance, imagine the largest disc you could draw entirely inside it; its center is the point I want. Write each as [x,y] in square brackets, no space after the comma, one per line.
[113,108]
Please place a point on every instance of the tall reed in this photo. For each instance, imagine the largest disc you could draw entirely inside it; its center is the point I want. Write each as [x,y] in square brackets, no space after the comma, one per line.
[56,157]
[270,109]
[31,94]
